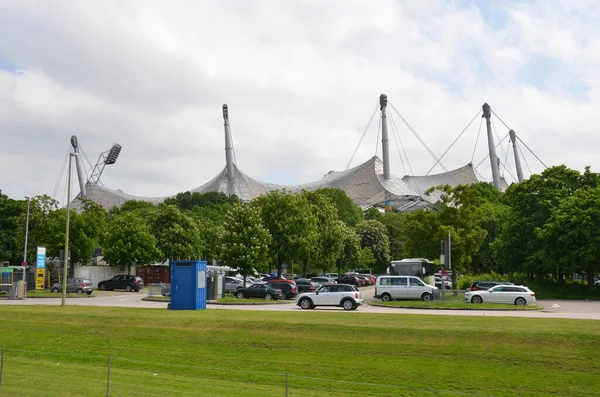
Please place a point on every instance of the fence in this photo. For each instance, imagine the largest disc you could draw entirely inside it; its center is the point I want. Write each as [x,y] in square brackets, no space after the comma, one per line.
[449,295]
[27,373]
[158,289]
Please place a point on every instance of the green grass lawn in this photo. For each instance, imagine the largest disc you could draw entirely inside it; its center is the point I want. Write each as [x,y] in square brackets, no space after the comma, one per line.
[63,351]
[50,294]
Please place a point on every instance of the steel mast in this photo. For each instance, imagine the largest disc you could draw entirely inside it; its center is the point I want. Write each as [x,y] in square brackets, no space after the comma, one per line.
[228,150]
[487,113]
[385,147]
[80,175]
[513,139]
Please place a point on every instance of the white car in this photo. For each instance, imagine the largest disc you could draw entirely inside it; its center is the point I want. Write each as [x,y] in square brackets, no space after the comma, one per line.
[508,294]
[343,295]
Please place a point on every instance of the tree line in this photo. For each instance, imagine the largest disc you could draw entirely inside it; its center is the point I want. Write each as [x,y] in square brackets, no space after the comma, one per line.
[545,227]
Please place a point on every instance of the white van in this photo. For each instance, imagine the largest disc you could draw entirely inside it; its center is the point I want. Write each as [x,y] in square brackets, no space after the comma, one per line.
[403,287]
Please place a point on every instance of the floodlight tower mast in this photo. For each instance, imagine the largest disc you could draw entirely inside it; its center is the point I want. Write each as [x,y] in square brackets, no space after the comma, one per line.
[487,114]
[385,147]
[228,150]
[80,175]
[106,158]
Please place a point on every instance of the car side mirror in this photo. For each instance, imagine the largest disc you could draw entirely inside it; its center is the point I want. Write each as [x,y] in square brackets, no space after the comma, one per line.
[316,292]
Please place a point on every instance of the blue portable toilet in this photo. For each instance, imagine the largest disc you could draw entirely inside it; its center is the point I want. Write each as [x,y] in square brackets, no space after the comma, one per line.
[188,285]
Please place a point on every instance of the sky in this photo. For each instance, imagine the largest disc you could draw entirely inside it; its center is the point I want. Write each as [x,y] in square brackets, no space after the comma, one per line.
[301,79]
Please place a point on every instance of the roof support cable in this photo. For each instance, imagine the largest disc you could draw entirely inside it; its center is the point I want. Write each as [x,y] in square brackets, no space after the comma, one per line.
[377,141]
[417,135]
[488,155]
[363,134]
[477,140]
[504,153]
[531,151]
[525,159]
[509,172]
[60,176]
[455,140]
[397,139]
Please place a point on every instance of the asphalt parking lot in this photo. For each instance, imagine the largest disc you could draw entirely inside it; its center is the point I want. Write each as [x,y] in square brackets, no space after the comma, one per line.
[551,308]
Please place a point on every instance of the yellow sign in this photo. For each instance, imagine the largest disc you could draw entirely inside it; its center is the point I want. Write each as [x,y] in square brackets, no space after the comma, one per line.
[39,280]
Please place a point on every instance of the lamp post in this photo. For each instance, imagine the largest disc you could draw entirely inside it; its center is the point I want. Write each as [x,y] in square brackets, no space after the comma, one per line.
[25,249]
[66,256]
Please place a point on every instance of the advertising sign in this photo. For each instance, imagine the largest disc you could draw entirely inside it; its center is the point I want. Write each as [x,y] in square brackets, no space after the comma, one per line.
[41,257]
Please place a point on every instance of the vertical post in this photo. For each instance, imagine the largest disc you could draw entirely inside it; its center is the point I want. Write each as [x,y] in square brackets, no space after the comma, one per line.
[66,259]
[108,378]
[228,150]
[287,384]
[385,147]
[487,114]
[25,250]
[513,138]
[2,368]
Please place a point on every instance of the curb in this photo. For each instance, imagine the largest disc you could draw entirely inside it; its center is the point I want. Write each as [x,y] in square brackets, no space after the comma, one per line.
[458,308]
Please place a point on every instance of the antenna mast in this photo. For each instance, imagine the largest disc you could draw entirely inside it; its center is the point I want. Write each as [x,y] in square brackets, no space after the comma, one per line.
[385,147]
[228,150]
[487,113]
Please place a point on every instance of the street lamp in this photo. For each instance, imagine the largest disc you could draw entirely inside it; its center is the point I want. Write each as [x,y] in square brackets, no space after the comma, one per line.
[25,250]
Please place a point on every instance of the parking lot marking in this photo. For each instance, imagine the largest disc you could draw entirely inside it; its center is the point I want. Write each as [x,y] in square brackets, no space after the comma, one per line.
[555,305]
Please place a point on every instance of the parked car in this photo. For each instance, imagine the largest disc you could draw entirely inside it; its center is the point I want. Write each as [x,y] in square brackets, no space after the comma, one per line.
[79,285]
[272,278]
[366,280]
[403,287]
[503,293]
[323,280]
[484,285]
[258,291]
[343,295]
[372,279]
[447,283]
[233,283]
[288,290]
[306,285]
[347,279]
[126,282]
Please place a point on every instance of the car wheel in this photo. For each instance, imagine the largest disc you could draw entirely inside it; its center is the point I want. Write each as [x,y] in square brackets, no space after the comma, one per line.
[79,291]
[426,297]
[128,288]
[386,297]
[102,287]
[55,290]
[520,302]
[476,299]
[348,304]
[306,304]
[240,295]
[268,297]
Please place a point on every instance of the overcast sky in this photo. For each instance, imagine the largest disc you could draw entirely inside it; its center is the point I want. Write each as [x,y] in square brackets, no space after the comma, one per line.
[301,79]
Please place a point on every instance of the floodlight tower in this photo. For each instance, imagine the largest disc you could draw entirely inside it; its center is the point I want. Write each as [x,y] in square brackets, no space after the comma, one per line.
[106,158]
[80,175]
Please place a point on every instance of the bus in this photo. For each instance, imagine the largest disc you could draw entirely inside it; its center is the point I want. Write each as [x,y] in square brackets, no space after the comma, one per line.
[419,267]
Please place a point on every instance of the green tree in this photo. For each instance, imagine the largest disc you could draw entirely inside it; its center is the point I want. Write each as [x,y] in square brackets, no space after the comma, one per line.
[177,234]
[291,223]
[366,259]
[571,235]
[10,214]
[347,211]
[326,244]
[244,240]
[350,254]
[129,241]
[373,235]
[394,223]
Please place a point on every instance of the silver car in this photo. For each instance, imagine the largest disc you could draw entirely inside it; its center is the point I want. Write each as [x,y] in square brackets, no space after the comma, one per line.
[78,285]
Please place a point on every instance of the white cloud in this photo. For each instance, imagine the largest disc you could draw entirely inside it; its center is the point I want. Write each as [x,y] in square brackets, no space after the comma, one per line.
[301,79]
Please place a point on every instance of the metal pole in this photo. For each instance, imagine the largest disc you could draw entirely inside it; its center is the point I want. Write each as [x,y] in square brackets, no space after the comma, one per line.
[66,259]
[25,250]
[286,384]
[228,150]
[2,368]
[108,379]
[487,114]
[513,138]
[385,147]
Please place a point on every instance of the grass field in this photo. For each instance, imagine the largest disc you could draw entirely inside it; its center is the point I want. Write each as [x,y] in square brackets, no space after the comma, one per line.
[63,351]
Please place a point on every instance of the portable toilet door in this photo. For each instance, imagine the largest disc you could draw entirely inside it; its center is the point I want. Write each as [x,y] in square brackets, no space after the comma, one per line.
[188,285]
